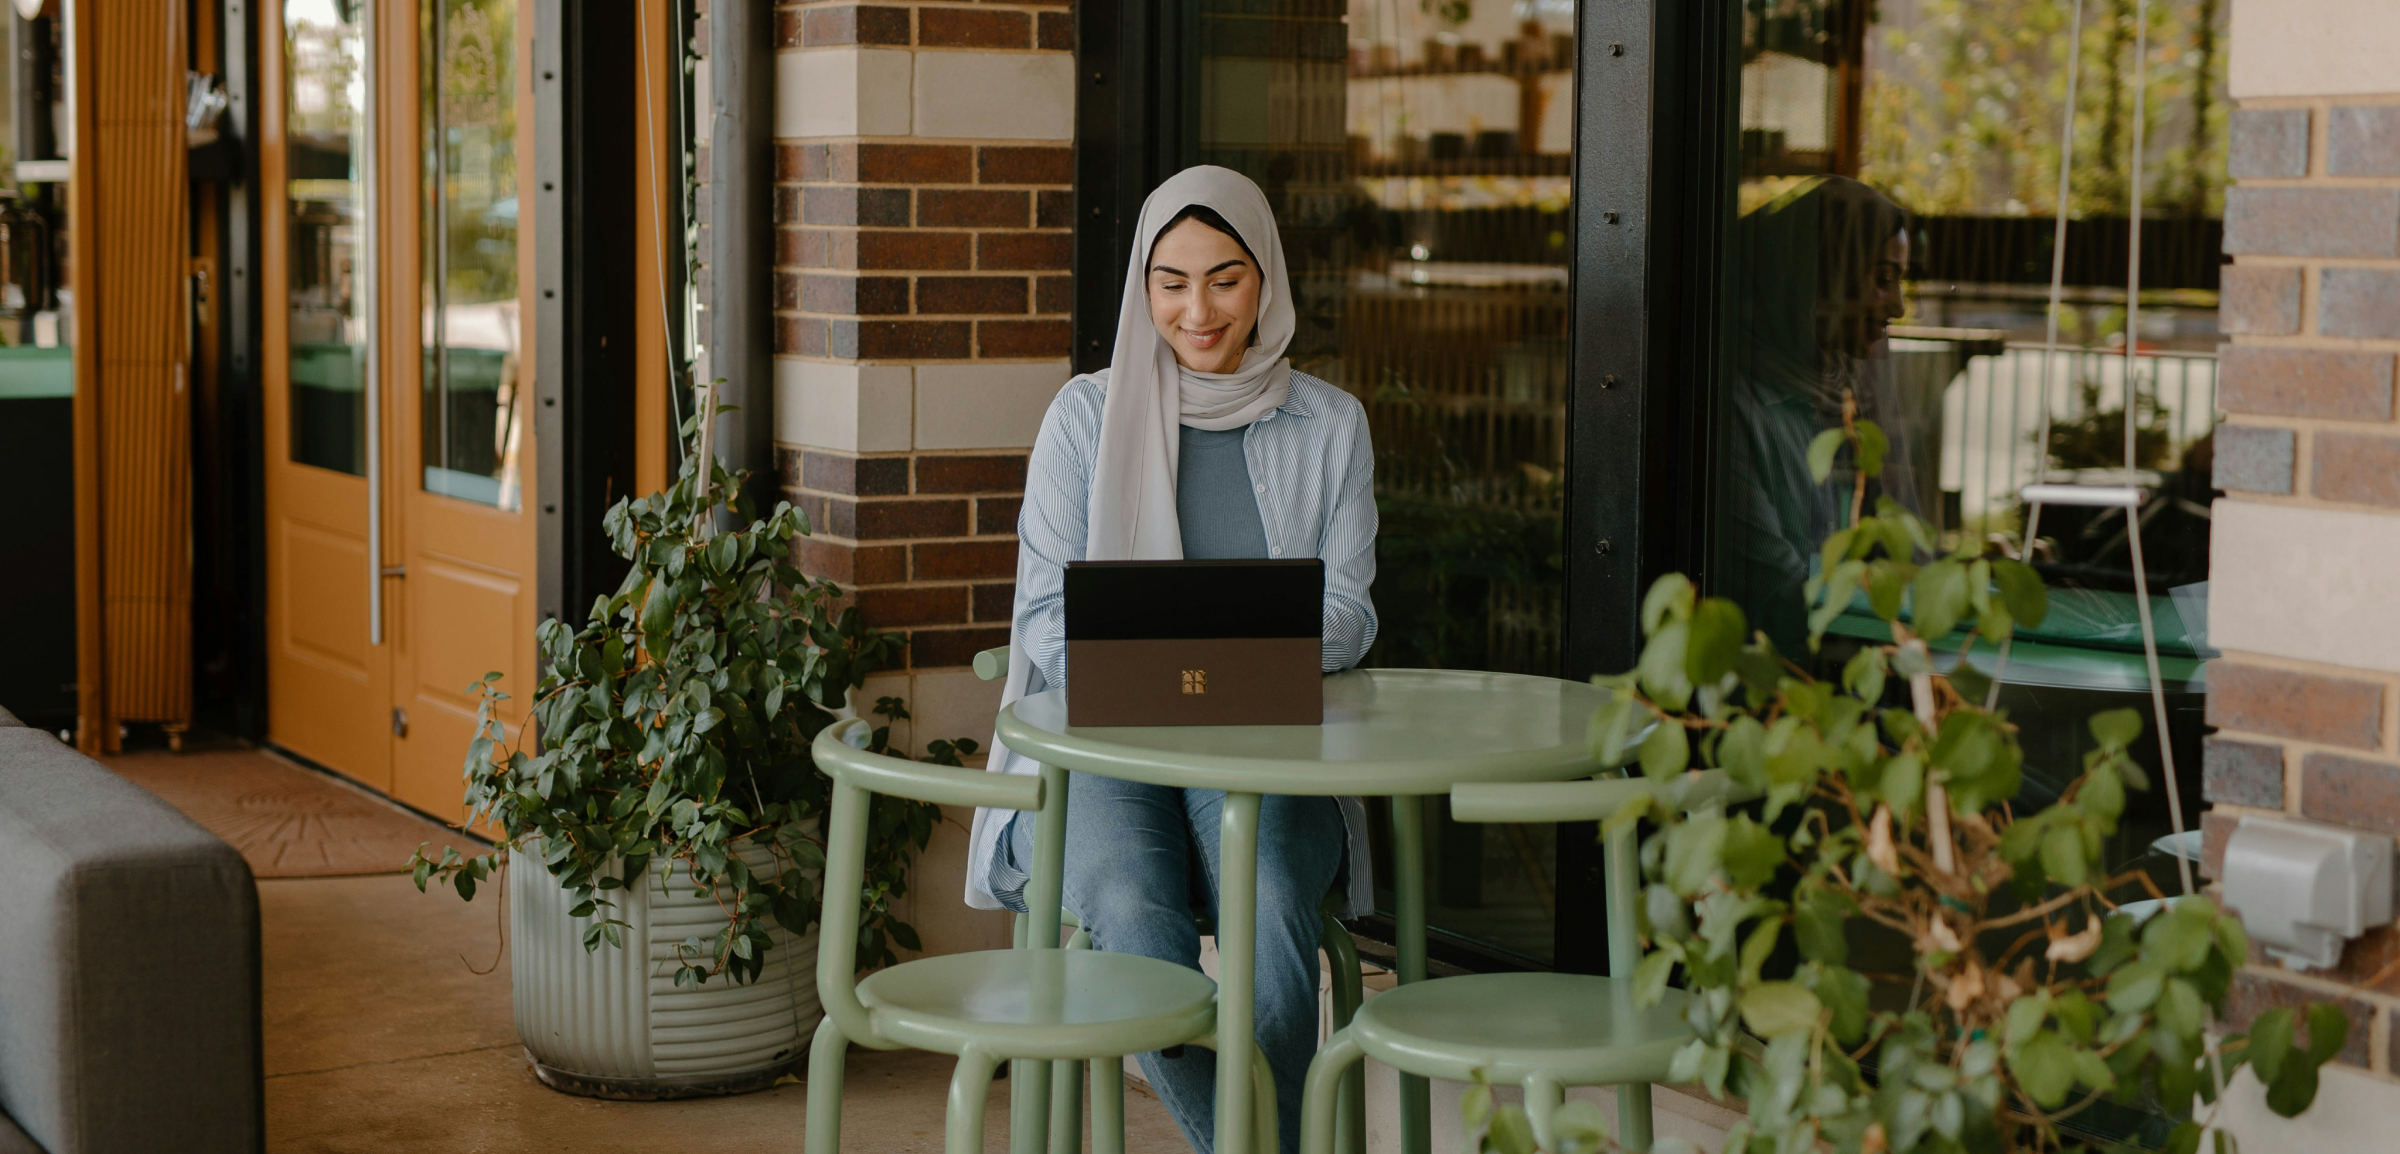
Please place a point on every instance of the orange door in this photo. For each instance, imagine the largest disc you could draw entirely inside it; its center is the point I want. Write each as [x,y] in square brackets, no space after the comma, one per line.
[329,674]
[369,675]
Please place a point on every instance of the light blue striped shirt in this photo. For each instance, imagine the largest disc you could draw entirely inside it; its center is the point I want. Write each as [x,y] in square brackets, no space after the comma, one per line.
[1312,469]
[1314,474]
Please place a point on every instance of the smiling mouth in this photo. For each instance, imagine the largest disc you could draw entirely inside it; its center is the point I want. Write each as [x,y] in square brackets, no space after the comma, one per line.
[1206,339]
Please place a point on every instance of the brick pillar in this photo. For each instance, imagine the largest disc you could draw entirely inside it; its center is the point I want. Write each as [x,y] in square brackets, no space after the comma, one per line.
[2306,542]
[924,159]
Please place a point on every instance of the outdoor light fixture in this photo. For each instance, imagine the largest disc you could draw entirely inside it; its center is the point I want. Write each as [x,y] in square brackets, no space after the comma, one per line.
[2302,889]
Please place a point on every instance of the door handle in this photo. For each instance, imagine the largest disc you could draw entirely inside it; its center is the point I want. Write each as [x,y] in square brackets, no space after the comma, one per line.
[367,300]
[395,570]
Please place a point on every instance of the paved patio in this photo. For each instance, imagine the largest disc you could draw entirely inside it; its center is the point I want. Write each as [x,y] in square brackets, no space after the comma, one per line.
[379,1037]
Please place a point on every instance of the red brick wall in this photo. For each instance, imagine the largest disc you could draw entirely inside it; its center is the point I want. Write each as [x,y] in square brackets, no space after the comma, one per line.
[913,251]
[2313,308]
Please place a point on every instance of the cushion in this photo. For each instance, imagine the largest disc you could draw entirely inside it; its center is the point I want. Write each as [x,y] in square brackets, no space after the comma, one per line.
[129,969]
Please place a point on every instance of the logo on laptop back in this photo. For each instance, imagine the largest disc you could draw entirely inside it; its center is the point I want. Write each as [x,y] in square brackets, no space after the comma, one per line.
[1195,681]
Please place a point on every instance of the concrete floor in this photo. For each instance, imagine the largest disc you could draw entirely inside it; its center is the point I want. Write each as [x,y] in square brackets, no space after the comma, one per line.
[380,1037]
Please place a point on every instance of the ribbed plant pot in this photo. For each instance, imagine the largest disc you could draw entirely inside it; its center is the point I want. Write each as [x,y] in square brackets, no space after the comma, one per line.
[612,1023]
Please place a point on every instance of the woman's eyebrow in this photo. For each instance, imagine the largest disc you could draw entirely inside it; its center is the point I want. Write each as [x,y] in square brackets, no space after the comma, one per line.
[1228,264]
[1172,271]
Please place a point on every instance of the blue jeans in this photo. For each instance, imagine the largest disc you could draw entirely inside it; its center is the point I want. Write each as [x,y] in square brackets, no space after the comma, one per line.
[1130,879]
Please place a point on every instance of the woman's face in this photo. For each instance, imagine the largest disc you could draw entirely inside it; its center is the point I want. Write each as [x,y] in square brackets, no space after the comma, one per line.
[1203,296]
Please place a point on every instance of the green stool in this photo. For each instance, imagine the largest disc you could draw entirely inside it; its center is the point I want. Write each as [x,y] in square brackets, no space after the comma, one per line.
[1543,1032]
[1059,1084]
[1037,1004]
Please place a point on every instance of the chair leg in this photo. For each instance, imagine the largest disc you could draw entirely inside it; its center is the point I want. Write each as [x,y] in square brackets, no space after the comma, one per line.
[1028,1106]
[1066,1107]
[1350,1111]
[1108,1105]
[1327,1073]
[1267,1134]
[1542,1098]
[970,1084]
[1633,1117]
[825,1057]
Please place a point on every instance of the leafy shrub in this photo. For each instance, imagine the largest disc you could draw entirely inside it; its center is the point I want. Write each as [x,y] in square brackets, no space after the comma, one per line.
[675,734]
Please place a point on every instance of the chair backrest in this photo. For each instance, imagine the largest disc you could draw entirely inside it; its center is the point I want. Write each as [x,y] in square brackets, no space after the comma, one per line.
[840,750]
[992,664]
[1598,800]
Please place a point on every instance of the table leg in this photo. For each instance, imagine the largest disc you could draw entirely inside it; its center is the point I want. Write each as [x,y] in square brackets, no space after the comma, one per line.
[1237,963]
[1408,885]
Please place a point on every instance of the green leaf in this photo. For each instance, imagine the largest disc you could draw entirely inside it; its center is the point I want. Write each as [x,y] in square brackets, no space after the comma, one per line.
[1742,752]
[1667,751]
[2270,1043]
[1887,584]
[1650,976]
[1752,852]
[1970,682]
[1475,1104]
[1863,674]
[1759,945]
[2135,987]
[1903,784]
[2328,1031]
[1670,597]
[1819,926]
[2183,1139]
[2117,728]
[2062,855]
[1695,852]
[2293,1093]
[2045,1068]
[1872,445]
[2021,590]
[1717,630]
[1578,1127]
[1774,1009]
[1938,599]
[1511,1132]
[2180,1009]
[1821,451]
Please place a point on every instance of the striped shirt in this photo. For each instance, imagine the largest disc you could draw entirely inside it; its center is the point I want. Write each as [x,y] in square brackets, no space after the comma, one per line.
[1313,472]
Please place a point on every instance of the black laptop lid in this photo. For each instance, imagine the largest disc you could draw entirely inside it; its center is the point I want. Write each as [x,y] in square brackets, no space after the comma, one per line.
[1157,600]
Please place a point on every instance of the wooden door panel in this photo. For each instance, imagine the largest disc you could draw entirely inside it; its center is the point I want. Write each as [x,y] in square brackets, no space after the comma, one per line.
[323,576]
[462,620]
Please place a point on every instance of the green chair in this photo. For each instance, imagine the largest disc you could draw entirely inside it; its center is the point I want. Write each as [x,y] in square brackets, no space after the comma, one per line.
[1040,1004]
[1543,1032]
[1060,1084]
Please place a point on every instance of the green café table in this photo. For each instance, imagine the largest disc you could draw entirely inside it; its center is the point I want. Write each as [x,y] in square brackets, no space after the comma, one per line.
[1401,733]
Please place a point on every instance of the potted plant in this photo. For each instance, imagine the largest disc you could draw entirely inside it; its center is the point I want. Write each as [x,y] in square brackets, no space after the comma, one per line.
[2031,1000]
[673,808]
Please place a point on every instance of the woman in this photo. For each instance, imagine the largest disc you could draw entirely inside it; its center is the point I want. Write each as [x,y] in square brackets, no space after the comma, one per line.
[1817,286]
[1198,441]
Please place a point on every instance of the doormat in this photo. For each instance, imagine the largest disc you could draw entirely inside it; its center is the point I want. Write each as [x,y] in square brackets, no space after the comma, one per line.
[289,822]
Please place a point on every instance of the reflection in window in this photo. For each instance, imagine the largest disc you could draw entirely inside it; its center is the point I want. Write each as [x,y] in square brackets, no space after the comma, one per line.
[1417,156]
[325,62]
[472,430]
[1890,246]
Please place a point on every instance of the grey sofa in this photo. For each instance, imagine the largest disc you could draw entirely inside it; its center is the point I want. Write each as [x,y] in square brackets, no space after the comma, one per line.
[129,966]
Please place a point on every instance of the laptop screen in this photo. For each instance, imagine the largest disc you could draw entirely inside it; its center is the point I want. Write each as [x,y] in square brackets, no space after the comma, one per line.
[1156,600]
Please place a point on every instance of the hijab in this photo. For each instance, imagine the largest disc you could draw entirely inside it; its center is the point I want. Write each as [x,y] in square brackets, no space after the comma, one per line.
[1132,502]
[1148,394]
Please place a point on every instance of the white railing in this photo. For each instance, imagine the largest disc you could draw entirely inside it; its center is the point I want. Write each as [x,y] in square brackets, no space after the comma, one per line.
[1992,411]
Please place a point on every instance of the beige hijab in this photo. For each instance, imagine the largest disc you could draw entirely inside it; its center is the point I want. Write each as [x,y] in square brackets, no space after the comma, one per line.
[1132,503]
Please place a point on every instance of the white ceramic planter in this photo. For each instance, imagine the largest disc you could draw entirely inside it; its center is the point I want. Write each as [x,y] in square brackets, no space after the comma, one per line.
[612,1023]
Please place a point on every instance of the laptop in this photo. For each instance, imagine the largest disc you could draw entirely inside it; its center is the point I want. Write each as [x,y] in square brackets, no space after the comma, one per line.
[1195,642]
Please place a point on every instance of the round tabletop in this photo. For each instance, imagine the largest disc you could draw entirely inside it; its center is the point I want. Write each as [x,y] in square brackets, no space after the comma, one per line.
[1386,732]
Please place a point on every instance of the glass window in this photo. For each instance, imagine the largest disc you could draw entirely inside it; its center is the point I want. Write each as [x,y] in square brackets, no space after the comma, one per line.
[325,57]
[1888,245]
[472,430]
[1417,156]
